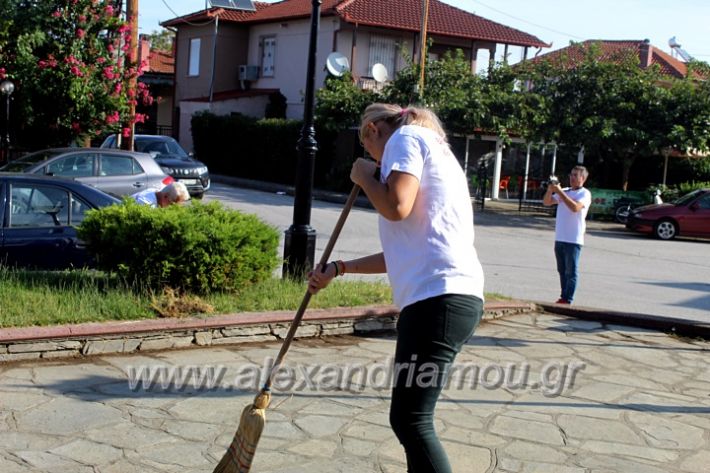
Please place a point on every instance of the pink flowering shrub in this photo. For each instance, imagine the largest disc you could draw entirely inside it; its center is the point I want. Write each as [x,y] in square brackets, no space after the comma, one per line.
[68,61]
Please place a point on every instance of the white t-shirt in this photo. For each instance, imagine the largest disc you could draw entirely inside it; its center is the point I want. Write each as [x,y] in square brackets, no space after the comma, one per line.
[570,226]
[430,252]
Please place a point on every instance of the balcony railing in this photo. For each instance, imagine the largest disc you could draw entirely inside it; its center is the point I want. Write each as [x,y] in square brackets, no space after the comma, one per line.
[368,83]
[152,129]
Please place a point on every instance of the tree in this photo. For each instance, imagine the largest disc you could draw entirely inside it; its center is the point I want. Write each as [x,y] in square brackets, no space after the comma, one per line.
[451,89]
[510,106]
[66,59]
[161,40]
[340,103]
[618,111]
[613,108]
[687,106]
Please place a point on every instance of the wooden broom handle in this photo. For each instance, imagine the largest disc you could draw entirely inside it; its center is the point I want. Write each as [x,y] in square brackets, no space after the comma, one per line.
[307,297]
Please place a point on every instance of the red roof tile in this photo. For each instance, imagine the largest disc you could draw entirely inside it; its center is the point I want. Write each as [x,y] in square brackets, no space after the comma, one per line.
[207,16]
[161,62]
[395,14]
[443,19]
[618,50]
[290,9]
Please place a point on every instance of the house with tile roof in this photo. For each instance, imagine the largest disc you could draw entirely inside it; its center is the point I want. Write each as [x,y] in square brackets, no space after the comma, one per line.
[232,60]
[619,50]
[159,76]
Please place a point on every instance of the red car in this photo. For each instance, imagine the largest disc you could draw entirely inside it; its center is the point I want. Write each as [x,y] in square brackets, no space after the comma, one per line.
[687,216]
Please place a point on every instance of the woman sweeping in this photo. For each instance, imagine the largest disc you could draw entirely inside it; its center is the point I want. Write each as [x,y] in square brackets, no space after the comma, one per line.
[426,232]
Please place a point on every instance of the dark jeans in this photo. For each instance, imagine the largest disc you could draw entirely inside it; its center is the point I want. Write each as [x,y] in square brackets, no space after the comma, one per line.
[430,334]
[567,255]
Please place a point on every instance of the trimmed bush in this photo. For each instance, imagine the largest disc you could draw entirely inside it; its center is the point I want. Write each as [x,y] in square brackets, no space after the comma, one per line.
[197,248]
[265,149]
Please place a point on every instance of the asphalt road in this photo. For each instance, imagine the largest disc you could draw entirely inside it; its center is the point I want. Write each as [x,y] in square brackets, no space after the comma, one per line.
[620,271]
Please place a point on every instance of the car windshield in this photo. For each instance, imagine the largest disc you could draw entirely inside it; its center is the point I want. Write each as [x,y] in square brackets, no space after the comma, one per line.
[28,160]
[164,145]
[687,198]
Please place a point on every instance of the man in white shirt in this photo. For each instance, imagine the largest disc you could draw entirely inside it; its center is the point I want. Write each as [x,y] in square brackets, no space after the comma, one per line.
[174,193]
[570,224]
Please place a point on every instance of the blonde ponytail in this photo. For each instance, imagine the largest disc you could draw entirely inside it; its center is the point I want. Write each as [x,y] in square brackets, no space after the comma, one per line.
[398,116]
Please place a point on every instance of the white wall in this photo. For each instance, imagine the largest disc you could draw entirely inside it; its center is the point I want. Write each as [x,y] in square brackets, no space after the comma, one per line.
[359,65]
[187,109]
[251,106]
[291,58]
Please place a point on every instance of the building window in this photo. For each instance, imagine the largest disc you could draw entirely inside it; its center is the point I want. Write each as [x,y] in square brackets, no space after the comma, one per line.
[194,59]
[383,50]
[268,51]
[483,62]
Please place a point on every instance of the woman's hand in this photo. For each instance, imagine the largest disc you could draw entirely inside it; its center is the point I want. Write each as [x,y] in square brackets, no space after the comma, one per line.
[318,280]
[362,170]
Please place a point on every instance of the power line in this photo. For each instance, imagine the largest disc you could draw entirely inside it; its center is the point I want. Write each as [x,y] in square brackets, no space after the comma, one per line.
[188,22]
[545,27]
[529,22]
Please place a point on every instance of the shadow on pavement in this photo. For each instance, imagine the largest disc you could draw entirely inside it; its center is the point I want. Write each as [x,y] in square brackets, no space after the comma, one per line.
[90,390]
[700,302]
[516,343]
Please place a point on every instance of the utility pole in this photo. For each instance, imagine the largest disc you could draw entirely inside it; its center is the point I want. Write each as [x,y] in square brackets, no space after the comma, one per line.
[422,46]
[131,63]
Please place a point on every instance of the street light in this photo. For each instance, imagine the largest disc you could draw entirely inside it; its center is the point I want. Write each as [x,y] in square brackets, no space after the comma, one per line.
[300,239]
[6,88]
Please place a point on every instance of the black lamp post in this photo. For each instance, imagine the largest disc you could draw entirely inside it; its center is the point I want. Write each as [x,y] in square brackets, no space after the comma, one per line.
[300,241]
[6,88]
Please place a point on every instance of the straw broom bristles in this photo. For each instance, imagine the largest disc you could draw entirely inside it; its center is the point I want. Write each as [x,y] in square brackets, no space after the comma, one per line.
[238,457]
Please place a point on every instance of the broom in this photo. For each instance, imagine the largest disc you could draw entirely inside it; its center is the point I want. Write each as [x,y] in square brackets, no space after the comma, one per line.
[241,451]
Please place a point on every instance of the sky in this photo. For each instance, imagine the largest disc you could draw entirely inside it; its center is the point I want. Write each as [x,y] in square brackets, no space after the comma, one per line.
[553,21]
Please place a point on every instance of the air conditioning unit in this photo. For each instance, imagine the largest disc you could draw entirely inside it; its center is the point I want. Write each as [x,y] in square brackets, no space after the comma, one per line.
[248,72]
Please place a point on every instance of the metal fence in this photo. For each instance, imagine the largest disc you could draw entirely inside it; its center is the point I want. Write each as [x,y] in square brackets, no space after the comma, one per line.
[530,196]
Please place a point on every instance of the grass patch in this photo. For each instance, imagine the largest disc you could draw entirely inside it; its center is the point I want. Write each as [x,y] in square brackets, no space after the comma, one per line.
[494,296]
[63,297]
[68,297]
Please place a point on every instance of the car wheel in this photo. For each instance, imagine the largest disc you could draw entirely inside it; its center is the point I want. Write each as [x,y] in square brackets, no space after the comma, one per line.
[665,229]
[621,214]
[198,196]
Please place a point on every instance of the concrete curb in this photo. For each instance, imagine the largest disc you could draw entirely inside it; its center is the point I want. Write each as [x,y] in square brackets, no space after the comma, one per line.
[32,343]
[684,327]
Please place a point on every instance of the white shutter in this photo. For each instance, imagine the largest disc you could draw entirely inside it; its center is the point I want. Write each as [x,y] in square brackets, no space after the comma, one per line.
[194,60]
[267,57]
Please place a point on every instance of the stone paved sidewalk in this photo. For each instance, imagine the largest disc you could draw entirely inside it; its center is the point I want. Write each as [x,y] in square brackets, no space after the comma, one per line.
[639,402]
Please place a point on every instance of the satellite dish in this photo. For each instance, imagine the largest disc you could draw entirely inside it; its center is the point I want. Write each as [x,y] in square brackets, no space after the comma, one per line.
[337,64]
[379,72]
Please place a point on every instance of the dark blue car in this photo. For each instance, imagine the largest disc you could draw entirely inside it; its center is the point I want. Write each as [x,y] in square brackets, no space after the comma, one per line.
[39,216]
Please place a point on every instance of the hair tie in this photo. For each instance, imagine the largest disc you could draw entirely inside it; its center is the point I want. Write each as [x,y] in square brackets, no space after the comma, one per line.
[403,112]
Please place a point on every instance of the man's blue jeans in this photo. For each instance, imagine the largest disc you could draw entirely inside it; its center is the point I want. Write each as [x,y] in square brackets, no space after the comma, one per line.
[567,255]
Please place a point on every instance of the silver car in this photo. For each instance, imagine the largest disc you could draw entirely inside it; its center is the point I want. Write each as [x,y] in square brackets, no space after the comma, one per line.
[173,159]
[115,172]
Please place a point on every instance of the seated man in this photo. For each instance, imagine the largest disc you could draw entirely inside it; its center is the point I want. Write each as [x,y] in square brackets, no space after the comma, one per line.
[174,193]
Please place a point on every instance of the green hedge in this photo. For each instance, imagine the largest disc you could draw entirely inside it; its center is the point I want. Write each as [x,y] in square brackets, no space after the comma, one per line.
[197,248]
[675,191]
[263,149]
